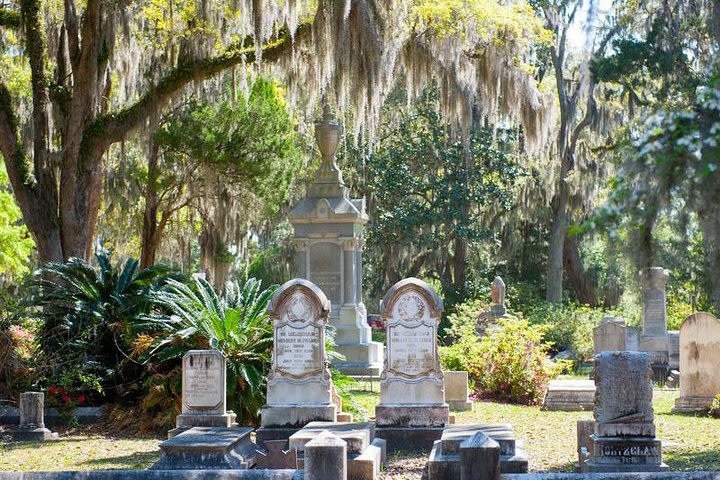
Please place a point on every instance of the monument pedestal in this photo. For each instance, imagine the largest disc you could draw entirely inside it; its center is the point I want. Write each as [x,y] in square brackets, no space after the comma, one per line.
[186,421]
[32,435]
[623,454]
[32,420]
[692,404]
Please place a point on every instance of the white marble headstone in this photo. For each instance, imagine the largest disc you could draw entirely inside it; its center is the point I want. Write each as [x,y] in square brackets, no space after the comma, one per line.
[203,382]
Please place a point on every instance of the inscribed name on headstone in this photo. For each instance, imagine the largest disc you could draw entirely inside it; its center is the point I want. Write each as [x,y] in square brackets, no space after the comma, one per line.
[325,269]
[699,361]
[203,382]
[654,312]
[411,337]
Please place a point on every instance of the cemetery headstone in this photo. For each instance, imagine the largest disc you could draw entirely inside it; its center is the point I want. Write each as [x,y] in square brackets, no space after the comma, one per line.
[326,458]
[208,448]
[699,363]
[32,419]
[673,350]
[610,336]
[203,392]
[328,236]
[654,337]
[299,388]
[457,391]
[412,408]
[570,395]
[624,438]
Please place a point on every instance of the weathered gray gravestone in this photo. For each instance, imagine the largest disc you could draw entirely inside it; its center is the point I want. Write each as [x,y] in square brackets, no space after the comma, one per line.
[32,419]
[654,337]
[328,227]
[609,336]
[412,409]
[203,392]
[299,385]
[497,296]
[457,391]
[479,458]
[326,458]
[699,363]
[624,438]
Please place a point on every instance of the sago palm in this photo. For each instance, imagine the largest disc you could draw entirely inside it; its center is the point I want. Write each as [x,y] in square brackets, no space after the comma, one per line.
[234,322]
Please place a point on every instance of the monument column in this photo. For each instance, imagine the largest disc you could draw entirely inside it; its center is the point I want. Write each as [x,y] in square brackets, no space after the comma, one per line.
[654,339]
[329,227]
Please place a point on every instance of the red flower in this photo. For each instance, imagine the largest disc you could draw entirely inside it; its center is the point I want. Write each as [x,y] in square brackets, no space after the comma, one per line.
[67,399]
[53,390]
[81,399]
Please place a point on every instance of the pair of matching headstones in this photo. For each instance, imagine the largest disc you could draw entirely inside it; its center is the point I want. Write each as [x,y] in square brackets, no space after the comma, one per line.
[299,385]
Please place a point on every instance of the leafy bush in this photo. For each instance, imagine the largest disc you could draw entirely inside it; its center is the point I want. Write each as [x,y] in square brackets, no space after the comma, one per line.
[465,316]
[715,407]
[509,363]
[90,317]
[234,323]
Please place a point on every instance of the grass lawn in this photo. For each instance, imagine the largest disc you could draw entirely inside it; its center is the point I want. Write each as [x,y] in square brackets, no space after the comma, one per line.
[689,443]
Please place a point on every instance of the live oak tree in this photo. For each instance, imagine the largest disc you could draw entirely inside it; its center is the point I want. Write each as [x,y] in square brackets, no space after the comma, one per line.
[96,72]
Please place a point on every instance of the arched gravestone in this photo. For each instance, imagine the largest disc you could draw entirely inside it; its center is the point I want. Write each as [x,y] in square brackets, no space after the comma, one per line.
[299,385]
[699,362]
[412,393]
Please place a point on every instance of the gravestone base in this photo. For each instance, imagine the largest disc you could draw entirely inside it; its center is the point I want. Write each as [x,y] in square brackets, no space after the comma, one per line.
[570,395]
[364,359]
[623,454]
[263,434]
[292,416]
[366,454]
[585,448]
[412,415]
[444,461]
[208,448]
[409,439]
[460,405]
[692,404]
[32,435]
[186,421]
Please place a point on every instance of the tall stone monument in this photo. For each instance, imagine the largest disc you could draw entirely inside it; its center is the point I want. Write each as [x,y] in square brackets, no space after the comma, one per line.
[699,363]
[203,392]
[412,406]
[624,438]
[654,336]
[299,385]
[328,227]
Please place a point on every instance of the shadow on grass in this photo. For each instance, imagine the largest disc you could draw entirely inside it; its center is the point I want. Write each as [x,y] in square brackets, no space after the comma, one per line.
[133,461]
[707,460]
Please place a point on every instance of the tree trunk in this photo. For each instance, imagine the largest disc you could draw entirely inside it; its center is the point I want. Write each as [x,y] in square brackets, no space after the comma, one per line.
[585,290]
[709,219]
[460,268]
[150,237]
[556,242]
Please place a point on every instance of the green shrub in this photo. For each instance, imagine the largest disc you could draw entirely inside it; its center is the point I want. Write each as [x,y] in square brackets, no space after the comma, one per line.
[509,363]
[715,407]
[234,323]
[90,318]
[465,316]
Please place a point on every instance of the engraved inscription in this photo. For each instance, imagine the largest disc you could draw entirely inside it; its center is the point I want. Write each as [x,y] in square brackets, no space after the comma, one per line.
[203,381]
[325,269]
[412,350]
[298,351]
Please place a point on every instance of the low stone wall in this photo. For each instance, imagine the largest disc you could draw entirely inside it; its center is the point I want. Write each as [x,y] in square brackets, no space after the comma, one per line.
[158,475]
[84,416]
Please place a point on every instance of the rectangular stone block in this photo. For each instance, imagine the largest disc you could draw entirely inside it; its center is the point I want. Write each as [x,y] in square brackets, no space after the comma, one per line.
[207,448]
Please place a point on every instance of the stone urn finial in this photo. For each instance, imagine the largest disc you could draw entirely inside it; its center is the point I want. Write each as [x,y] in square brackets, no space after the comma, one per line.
[328,179]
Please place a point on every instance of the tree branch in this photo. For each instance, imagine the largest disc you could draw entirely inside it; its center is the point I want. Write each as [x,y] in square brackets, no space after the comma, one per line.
[35,44]
[114,126]
[71,25]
